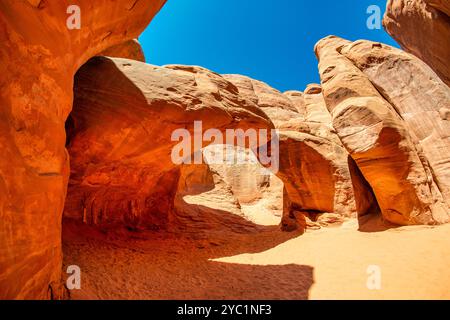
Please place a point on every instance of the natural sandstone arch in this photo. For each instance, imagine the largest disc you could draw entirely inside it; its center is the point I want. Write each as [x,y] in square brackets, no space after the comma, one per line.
[38,59]
[124,115]
[226,198]
[121,170]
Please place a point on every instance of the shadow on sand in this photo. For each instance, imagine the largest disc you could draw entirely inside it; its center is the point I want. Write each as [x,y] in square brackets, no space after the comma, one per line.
[178,264]
[374,222]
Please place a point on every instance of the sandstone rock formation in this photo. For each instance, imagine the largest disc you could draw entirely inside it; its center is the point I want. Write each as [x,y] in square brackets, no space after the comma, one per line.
[442,5]
[422,27]
[39,56]
[205,201]
[231,195]
[121,136]
[277,106]
[105,190]
[241,170]
[130,49]
[421,101]
[314,166]
[377,137]
[315,107]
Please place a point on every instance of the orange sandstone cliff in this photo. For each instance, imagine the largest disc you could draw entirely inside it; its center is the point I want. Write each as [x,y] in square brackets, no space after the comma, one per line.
[39,57]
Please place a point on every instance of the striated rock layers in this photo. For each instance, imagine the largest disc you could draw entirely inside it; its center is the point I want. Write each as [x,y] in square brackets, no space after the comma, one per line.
[422,102]
[130,49]
[314,165]
[121,136]
[386,109]
[39,56]
[422,27]
[227,195]
[122,171]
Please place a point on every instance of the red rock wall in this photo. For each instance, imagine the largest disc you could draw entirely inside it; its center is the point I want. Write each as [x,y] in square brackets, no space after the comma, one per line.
[422,27]
[39,56]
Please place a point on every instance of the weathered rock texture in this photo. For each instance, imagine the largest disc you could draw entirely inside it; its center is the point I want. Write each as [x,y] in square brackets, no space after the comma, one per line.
[130,49]
[241,170]
[378,124]
[276,105]
[122,173]
[422,101]
[39,56]
[441,5]
[226,195]
[422,27]
[120,136]
[314,165]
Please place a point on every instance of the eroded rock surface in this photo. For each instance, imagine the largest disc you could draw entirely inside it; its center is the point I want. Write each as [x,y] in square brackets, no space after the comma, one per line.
[314,165]
[239,196]
[124,117]
[380,141]
[39,56]
[374,133]
[130,49]
[422,27]
[420,101]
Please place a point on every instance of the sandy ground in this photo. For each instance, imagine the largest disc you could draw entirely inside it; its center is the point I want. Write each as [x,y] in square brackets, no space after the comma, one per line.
[330,263]
[413,261]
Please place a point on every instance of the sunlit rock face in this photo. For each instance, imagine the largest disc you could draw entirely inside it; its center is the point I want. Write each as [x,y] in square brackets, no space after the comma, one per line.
[422,27]
[39,56]
[314,165]
[422,101]
[231,186]
[121,136]
[397,141]
[348,147]
[130,49]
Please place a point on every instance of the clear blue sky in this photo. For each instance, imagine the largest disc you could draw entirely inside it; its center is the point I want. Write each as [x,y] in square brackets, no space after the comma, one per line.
[269,40]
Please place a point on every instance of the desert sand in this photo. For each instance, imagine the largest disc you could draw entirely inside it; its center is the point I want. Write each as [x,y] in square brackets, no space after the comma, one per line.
[330,263]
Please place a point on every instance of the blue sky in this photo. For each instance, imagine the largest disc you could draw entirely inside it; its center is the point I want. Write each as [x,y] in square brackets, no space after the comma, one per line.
[269,40]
